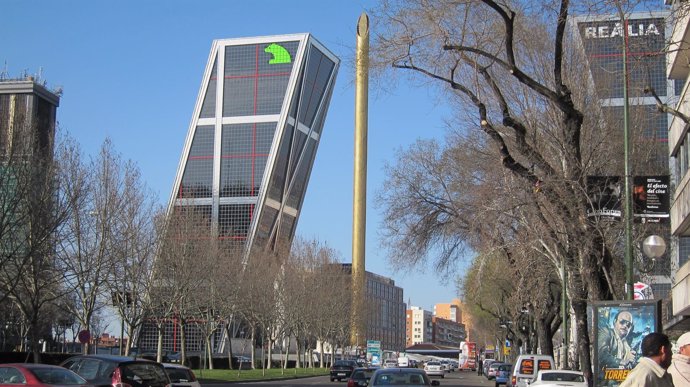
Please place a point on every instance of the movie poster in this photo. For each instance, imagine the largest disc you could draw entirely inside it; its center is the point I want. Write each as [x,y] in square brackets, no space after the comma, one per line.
[604,193]
[619,327]
[651,199]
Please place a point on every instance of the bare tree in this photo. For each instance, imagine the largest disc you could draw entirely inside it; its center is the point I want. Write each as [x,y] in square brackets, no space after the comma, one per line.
[133,252]
[35,210]
[180,268]
[88,240]
[524,96]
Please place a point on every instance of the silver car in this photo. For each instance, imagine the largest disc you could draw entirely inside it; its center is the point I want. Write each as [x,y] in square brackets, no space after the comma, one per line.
[435,368]
[393,377]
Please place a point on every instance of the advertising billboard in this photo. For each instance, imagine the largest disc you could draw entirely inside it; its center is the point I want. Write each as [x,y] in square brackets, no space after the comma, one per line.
[618,330]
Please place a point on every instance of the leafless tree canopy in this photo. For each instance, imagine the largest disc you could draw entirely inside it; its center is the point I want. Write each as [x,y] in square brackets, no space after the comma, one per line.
[510,179]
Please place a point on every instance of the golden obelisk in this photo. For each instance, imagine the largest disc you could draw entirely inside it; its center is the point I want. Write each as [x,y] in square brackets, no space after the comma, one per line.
[359,206]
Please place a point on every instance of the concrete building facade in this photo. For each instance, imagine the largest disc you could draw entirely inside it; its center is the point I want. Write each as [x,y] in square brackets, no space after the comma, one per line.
[418,326]
[679,152]
[450,311]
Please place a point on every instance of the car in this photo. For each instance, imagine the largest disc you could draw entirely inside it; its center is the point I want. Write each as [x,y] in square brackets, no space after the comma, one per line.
[38,375]
[526,367]
[486,364]
[394,377]
[434,368]
[493,368]
[560,378]
[446,365]
[342,369]
[503,374]
[390,363]
[180,376]
[117,371]
[360,376]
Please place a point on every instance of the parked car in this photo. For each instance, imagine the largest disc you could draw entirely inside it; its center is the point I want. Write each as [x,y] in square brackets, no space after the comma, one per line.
[394,377]
[434,368]
[116,371]
[560,378]
[38,375]
[503,374]
[180,376]
[360,376]
[493,369]
[526,366]
[342,369]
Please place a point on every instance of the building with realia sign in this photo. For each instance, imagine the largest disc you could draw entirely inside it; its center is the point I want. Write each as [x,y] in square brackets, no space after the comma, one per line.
[602,37]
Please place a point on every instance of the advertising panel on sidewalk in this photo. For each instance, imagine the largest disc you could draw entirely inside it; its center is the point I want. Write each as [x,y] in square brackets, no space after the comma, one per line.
[618,330]
[374,352]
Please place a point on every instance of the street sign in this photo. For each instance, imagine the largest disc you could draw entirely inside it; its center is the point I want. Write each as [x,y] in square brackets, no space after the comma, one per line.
[84,336]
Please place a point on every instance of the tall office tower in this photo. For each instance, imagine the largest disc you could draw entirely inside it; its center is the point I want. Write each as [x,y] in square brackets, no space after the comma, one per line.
[27,118]
[253,137]
[27,193]
[602,38]
[251,145]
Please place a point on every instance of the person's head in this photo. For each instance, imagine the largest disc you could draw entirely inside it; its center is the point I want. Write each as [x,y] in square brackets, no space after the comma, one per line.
[684,344]
[657,347]
[623,323]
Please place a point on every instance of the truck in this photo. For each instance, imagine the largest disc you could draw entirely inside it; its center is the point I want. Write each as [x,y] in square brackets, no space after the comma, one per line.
[468,356]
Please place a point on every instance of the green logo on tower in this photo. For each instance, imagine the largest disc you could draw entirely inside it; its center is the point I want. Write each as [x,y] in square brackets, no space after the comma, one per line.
[280,54]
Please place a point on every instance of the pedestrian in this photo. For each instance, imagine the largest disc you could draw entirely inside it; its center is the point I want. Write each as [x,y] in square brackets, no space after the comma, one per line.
[680,366]
[655,360]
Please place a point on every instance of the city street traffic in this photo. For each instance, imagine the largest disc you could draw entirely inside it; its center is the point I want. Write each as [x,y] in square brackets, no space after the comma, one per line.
[469,379]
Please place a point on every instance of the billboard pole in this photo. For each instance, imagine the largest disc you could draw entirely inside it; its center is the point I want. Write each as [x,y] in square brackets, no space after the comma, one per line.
[359,208]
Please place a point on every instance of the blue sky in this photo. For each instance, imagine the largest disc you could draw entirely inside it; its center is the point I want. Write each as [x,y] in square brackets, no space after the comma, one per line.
[131,71]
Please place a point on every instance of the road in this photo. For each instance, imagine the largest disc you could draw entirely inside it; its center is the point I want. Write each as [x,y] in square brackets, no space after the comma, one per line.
[465,379]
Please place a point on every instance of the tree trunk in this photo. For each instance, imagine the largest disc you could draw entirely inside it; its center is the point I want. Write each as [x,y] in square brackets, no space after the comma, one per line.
[159,349]
[583,344]
[253,348]
[287,353]
[209,352]
[229,335]
[183,343]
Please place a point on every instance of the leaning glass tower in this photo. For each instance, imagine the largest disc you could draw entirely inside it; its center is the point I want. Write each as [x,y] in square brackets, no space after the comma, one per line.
[253,137]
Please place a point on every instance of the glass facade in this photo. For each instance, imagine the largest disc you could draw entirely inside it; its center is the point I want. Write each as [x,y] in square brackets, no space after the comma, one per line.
[253,139]
[251,146]
[603,40]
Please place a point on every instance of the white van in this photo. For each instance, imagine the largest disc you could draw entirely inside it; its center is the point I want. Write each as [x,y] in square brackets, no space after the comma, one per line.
[403,362]
[526,367]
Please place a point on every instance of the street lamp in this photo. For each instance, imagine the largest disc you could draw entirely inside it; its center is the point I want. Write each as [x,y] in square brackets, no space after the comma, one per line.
[653,247]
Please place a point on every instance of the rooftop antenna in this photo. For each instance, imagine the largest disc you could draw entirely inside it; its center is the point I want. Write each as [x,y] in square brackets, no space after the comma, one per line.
[4,74]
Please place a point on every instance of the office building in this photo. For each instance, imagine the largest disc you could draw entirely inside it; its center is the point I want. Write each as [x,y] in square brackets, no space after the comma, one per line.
[252,140]
[27,130]
[385,311]
[450,311]
[418,326]
[601,37]
[27,118]
[447,332]
[679,151]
